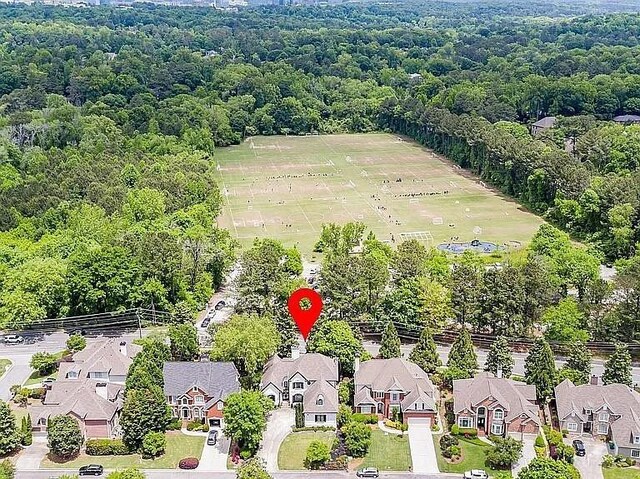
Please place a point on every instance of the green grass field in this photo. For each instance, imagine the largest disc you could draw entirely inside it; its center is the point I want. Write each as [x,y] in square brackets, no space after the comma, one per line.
[4,365]
[621,473]
[388,452]
[287,187]
[473,457]
[293,449]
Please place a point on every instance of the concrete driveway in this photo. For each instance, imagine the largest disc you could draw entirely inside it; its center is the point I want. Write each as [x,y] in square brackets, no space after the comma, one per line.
[423,452]
[278,427]
[589,465]
[528,451]
[214,458]
[32,456]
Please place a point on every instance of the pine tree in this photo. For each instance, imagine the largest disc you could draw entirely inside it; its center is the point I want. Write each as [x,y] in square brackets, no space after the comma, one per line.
[425,354]
[578,365]
[390,343]
[9,434]
[617,369]
[540,369]
[500,358]
[463,355]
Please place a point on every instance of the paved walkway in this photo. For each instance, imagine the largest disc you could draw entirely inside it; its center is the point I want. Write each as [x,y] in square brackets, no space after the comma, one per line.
[423,451]
[278,427]
[389,430]
[32,456]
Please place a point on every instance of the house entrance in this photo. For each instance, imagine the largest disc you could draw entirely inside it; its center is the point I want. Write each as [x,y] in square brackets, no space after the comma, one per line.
[482,416]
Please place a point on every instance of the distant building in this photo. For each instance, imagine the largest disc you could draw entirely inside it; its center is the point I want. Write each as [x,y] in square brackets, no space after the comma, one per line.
[627,119]
[543,124]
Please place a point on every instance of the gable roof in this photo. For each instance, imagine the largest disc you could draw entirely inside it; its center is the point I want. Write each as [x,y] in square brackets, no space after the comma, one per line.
[313,366]
[418,396]
[216,379]
[514,397]
[394,373]
[546,122]
[329,395]
[101,356]
[627,118]
[619,399]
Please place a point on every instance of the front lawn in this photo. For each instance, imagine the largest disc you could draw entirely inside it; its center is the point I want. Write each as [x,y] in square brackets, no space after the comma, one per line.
[179,446]
[621,472]
[294,448]
[388,452]
[4,365]
[36,378]
[473,457]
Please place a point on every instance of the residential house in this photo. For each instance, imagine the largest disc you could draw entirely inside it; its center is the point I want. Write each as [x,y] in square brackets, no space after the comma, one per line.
[310,379]
[197,391]
[383,386]
[90,388]
[611,412]
[495,406]
[105,361]
[543,124]
[627,119]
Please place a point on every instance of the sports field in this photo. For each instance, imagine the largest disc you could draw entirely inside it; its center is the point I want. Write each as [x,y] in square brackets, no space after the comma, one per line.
[287,187]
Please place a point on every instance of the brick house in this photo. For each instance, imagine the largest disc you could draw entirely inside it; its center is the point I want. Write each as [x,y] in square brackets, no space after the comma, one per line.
[197,391]
[495,406]
[611,412]
[384,385]
[310,379]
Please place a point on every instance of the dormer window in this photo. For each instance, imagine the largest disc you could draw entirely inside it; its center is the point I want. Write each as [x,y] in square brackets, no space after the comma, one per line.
[320,401]
[588,412]
[72,375]
[636,439]
[195,389]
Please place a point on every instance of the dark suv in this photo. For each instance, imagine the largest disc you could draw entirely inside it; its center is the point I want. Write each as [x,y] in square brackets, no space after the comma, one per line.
[578,445]
[91,470]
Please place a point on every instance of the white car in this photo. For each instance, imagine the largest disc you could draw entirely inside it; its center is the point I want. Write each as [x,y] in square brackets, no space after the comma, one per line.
[476,474]
[13,339]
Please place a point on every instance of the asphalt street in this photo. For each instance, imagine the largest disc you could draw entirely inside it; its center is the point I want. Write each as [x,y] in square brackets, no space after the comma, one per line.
[169,474]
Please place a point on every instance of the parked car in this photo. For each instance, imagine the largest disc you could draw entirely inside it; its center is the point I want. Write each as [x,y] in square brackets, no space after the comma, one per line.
[578,445]
[48,382]
[13,339]
[475,474]
[91,470]
[205,322]
[219,305]
[212,438]
[367,472]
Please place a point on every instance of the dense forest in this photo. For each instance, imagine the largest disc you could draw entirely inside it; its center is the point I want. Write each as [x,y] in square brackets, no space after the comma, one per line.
[110,119]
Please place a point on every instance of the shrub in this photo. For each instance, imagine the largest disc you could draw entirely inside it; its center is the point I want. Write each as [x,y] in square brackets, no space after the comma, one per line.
[365,418]
[553,437]
[357,438]
[447,441]
[153,445]
[344,415]
[468,432]
[245,454]
[393,424]
[37,393]
[455,429]
[540,451]
[505,452]
[106,447]
[564,452]
[452,452]
[313,428]
[174,425]
[607,461]
[318,455]
[299,415]
[565,432]
[539,442]
[197,426]
[188,463]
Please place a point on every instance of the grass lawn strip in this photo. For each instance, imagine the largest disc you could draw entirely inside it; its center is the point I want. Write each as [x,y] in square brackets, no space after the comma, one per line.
[179,446]
[388,452]
[621,473]
[4,365]
[36,379]
[294,448]
[473,457]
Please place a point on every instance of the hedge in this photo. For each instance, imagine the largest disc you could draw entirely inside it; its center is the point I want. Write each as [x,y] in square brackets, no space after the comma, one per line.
[365,418]
[188,463]
[106,447]
[313,428]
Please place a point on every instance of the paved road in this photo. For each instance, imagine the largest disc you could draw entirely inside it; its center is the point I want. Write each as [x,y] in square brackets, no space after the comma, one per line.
[170,474]
[597,365]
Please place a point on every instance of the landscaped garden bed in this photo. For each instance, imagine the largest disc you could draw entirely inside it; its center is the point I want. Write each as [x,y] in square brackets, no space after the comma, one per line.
[293,449]
[472,456]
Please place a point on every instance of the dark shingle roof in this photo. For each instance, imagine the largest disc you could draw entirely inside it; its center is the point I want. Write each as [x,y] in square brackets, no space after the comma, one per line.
[216,379]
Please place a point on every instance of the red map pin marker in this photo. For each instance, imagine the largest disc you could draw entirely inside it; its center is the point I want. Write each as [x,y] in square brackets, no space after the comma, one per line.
[305,318]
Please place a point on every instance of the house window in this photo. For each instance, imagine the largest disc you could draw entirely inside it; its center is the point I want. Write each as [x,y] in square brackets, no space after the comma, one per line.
[588,412]
[603,428]
[498,414]
[603,416]
[635,452]
[196,413]
[496,429]
[320,401]
[636,439]
[465,422]
[394,396]
[199,399]
[321,418]
[220,406]
[572,426]
[170,399]
[195,388]
[72,375]
[185,400]
[298,385]
[378,394]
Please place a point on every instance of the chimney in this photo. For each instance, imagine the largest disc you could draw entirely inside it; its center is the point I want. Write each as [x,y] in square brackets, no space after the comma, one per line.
[356,364]
[295,352]
[499,372]
[595,380]
[123,348]
[101,390]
